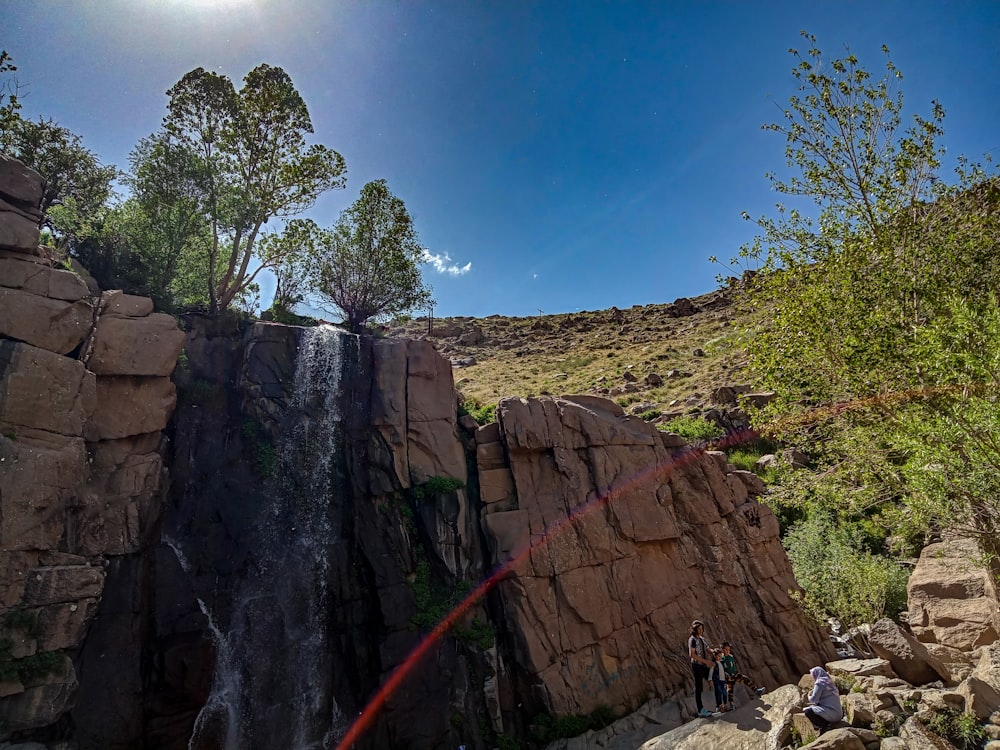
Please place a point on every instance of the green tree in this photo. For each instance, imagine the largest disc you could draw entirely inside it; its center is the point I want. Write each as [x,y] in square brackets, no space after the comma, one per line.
[164,220]
[368,264]
[9,92]
[77,184]
[253,162]
[869,274]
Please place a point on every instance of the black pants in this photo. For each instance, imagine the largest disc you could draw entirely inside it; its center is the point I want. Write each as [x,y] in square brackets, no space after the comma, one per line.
[700,675]
[817,721]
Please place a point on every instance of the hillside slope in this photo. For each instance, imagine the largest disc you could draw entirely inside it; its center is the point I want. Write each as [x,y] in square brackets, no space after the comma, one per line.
[670,358]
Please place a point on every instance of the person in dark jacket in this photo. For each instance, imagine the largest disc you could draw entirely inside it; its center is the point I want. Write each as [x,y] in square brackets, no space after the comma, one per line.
[700,663]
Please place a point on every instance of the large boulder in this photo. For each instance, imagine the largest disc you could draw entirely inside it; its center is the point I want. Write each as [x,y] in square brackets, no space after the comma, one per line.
[952,598]
[629,544]
[129,406]
[53,324]
[763,725]
[126,345]
[908,657]
[41,390]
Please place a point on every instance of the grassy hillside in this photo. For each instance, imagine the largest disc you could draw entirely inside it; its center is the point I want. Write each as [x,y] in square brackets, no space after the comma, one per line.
[667,357]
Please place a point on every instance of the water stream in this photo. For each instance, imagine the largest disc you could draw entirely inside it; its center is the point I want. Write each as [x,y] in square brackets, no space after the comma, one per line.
[273,678]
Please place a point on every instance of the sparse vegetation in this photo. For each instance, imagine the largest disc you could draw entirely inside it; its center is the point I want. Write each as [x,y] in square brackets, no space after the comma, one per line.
[692,428]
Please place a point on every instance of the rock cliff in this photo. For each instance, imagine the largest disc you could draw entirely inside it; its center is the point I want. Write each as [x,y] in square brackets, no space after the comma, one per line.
[313,533]
[84,396]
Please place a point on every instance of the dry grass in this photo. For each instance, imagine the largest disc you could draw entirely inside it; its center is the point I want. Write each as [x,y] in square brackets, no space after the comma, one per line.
[592,352]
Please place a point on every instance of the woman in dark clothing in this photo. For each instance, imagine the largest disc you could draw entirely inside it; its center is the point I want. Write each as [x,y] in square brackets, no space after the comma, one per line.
[700,664]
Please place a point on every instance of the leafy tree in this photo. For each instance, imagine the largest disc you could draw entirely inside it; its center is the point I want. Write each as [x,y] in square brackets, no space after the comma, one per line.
[77,185]
[875,277]
[165,222]
[253,164]
[9,92]
[288,256]
[368,264]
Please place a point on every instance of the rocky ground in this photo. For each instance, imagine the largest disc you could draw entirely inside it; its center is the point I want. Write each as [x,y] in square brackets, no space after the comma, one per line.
[670,358]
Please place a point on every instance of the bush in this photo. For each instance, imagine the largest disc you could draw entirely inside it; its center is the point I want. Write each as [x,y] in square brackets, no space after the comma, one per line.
[482,414]
[840,576]
[692,428]
[962,730]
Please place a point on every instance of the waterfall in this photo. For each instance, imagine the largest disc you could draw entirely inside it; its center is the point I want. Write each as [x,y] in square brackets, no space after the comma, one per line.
[273,682]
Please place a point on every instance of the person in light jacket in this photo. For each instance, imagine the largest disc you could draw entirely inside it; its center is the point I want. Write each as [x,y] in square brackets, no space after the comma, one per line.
[824,707]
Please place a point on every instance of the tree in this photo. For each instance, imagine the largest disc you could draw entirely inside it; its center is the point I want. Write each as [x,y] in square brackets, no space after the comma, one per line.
[165,222]
[253,163]
[9,92]
[77,184]
[876,287]
[368,264]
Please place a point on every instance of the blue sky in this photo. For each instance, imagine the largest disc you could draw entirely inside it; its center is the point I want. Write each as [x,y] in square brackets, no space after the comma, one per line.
[563,156]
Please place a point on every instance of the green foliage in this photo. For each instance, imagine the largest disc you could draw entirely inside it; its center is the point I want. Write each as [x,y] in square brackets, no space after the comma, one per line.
[477,632]
[886,276]
[962,730]
[436,486]
[77,185]
[367,265]
[9,90]
[506,742]
[845,683]
[483,414]
[24,620]
[839,573]
[692,428]
[650,415]
[242,159]
[30,668]
[546,728]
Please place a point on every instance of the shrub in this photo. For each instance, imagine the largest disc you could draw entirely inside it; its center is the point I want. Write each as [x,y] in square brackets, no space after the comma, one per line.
[436,486]
[482,414]
[962,730]
[840,576]
[692,428]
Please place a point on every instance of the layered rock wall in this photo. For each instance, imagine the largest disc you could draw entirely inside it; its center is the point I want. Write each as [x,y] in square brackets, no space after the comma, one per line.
[618,536]
[84,396]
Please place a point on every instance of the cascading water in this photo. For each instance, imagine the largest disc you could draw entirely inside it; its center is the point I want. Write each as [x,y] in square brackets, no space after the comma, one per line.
[273,678]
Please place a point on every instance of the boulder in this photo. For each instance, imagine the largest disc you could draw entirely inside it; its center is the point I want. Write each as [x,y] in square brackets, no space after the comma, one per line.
[41,703]
[755,726]
[952,599]
[53,324]
[132,406]
[19,184]
[116,302]
[40,474]
[861,668]
[136,346]
[908,657]
[599,599]
[43,391]
[41,279]
[981,689]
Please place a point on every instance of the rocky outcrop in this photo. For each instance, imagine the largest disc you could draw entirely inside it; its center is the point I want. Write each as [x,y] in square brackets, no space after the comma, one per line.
[80,460]
[952,597]
[616,543]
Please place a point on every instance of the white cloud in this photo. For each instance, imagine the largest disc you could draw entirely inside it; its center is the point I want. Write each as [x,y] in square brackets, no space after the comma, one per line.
[442,264]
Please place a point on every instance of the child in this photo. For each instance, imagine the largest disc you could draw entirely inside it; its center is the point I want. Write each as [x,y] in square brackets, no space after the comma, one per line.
[718,675]
[733,675]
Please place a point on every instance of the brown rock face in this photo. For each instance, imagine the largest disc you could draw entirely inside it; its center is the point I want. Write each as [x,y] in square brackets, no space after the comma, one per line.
[125,345]
[53,324]
[79,476]
[629,543]
[952,597]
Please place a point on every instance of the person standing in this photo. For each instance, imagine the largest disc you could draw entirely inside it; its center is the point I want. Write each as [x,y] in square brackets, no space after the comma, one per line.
[733,675]
[824,707]
[700,664]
